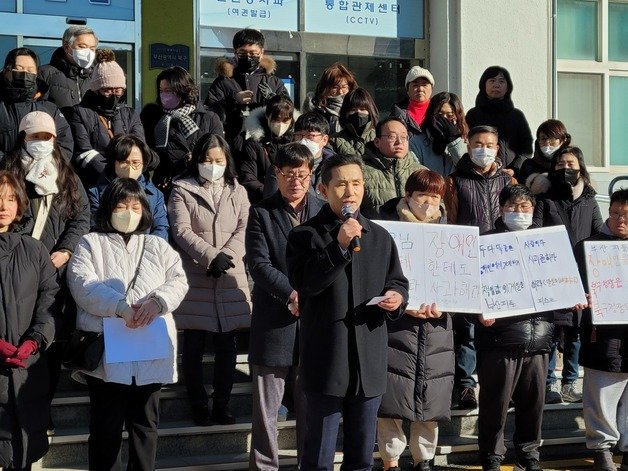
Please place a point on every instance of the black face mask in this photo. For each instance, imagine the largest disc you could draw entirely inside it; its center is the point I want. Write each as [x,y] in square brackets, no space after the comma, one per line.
[567,175]
[247,63]
[359,121]
[110,102]
[24,80]
[18,86]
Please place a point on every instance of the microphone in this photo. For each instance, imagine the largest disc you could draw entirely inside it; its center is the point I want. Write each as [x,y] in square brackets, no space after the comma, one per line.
[348,211]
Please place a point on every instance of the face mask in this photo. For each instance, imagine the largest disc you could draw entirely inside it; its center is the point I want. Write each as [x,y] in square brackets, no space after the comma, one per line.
[278,129]
[247,63]
[423,211]
[359,120]
[548,151]
[517,221]
[23,79]
[109,102]
[125,221]
[39,149]
[211,172]
[128,172]
[568,175]
[84,58]
[483,156]
[169,100]
[311,146]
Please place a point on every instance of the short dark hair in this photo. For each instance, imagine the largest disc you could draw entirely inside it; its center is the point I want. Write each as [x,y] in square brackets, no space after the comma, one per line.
[17,185]
[119,149]
[279,107]
[619,196]
[358,98]
[248,36]
[494,71]
[9,61]
[181,83]
[554,129]
[577,152]
[312,121]
[482,130]
[515,192]
[122,189]
[206,142]
[338,160]
[293,155]
[384,122]
[426,181]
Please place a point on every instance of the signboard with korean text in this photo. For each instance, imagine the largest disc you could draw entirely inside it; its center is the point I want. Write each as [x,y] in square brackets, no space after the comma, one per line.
[276,15]
[385,18]
[607,276]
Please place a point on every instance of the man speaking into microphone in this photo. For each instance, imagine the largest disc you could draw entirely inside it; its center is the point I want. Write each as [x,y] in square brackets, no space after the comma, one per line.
[343,340]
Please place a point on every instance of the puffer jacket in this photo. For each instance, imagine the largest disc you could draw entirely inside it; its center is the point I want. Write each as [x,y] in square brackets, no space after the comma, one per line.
[348,142]
[443,164]
[221,96]
[534,173]
[384,178]
[99,273]
[400,110]
[472,198]
[66,83]
[91,137]
[202,229]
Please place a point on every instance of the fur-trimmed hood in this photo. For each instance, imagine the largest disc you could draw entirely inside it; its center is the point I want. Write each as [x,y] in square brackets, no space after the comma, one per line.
[256,125]
[225,66]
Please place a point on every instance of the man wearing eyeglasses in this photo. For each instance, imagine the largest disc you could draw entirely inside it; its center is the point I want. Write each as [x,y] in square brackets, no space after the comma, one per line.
[387,165]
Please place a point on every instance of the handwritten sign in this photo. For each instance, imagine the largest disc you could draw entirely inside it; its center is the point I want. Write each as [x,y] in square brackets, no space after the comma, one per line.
[278,15]
[607,275]
[441,263]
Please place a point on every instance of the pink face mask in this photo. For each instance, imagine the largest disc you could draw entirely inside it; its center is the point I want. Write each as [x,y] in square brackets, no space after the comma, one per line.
[169,100]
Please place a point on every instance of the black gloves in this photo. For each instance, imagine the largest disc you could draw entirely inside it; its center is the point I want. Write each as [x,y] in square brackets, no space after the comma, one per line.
[265,90]
[220,264]
[444,130]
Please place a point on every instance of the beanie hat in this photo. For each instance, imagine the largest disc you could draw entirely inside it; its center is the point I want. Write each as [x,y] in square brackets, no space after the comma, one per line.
[107,73]
[418,72]
[38,121]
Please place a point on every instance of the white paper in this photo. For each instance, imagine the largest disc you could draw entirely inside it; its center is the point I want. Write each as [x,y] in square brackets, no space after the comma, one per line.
[376,300]
[607,276]
[123,344]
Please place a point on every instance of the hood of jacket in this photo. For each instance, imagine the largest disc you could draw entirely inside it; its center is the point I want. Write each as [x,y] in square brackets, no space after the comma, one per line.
[225,66]
[256,124]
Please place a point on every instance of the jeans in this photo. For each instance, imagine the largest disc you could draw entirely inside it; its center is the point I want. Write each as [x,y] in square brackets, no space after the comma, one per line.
[571,350]
[464,335]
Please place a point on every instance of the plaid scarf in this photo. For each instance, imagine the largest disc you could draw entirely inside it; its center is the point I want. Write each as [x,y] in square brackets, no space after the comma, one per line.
[181,117]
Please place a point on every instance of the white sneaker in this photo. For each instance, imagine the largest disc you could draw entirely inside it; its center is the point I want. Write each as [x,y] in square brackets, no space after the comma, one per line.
[569,393]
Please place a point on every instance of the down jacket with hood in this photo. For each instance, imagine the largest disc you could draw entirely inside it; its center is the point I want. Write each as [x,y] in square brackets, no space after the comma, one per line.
[201,229]
[99,273]
[66,83]
[221,96]
[349,142]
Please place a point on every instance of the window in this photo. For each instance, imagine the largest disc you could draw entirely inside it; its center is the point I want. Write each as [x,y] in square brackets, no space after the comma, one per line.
[577,29]
[618,120]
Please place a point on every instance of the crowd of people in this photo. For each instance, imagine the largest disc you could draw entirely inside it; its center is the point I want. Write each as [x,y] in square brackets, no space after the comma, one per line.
[240,212]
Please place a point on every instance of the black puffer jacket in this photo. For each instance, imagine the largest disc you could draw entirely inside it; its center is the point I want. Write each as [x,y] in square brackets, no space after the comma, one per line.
[400,110]
[91,137]
[66,82]
[607,348]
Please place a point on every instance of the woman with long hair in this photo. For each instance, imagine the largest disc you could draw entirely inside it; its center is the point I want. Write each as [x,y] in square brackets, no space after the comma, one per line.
[358,117]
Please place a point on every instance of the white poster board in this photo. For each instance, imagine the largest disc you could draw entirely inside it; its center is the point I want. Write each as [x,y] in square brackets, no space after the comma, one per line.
[607,275]
[123,344]
[441,263]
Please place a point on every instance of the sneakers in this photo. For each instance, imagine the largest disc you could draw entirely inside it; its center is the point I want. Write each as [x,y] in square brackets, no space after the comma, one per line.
[569,393]
[603,461]
[491,463]
[552,394]
[467,399]
[530,464]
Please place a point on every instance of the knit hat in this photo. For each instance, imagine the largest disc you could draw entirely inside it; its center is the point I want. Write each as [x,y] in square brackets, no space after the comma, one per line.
[418,72]
[107,73]
[38,121]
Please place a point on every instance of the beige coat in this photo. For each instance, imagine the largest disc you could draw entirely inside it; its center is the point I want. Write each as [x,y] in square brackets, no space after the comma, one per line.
[201,232]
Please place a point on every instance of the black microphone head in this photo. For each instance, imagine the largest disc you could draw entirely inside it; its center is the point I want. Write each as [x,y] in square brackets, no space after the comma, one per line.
[347,210]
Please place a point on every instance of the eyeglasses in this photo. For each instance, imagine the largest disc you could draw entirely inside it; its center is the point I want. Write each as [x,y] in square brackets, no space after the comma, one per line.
[252,55]
[308,135]
[521,207]
[134,165]
[391,138]
[343,87]
[548,140]
[449,116]
[618,217]
[112,91]
[291,177]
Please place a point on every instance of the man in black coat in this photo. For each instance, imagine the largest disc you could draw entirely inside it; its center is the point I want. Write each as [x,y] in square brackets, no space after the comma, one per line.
[273,344]
[343,341]
[604,356]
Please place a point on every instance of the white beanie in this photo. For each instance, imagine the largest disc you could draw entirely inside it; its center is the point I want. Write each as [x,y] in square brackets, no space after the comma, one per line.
[418,72]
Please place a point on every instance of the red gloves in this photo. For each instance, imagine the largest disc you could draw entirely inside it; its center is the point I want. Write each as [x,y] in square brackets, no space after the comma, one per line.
[26,349]
[15,356]
[7,349]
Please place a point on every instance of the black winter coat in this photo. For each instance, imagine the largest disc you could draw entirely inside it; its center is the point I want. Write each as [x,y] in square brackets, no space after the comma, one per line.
[343,342]
[274,330]
[29,304]
[173,158]
[91,135]
[66,83]
[400,110]
[603,347]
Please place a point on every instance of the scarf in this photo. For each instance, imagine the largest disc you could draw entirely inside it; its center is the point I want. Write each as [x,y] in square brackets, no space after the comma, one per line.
[417,110]
[406,214]
[181,116]
[42,173]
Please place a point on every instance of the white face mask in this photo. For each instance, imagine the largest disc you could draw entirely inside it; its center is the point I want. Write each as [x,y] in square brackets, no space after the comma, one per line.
[128,172]
[483,156]
[211,172]
[125,221]
[548,151]
[39,149]
[83,57]
[312,146]
[278,129]
[517,221]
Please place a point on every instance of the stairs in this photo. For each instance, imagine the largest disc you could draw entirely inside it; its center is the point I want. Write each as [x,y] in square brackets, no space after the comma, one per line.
[186,447]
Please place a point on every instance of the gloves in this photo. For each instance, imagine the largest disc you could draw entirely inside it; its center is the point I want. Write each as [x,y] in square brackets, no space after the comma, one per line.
[266,91]
[7,349]
[14,363]
[444,129]
[26,349]
[220,264]
[21,353]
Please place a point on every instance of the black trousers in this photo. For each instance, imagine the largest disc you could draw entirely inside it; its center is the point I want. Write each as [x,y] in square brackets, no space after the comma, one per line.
[225,354]
[506,375]
[112,406]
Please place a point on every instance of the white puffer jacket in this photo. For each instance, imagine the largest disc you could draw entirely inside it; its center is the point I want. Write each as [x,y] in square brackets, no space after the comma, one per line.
[98,274]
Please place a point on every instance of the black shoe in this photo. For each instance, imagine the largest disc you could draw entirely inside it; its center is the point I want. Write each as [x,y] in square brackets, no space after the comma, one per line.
[200,415]
[531,464]
[423,466]
[624,462]
[603,461]
[467,399]
[222,416]
[491,463]
[50,430]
